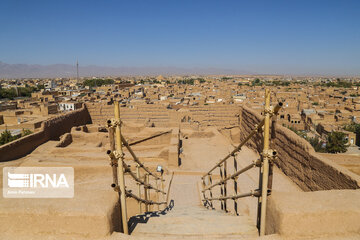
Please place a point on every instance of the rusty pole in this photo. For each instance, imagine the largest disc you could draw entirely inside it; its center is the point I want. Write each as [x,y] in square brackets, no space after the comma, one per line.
[225,185]
[121,168]
[162,189]
[146,180]
[139,185]
[265,167]
[114,166]
[148,192]
[157,194]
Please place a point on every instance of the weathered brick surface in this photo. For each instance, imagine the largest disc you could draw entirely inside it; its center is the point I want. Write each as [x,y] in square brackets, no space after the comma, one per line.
[298,160]
[214,115]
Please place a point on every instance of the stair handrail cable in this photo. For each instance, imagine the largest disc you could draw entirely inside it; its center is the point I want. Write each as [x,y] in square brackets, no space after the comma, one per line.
[116,155]
[251,134]
[264,163]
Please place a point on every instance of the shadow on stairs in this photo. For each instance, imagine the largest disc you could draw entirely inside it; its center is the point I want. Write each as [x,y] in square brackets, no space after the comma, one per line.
[144,218]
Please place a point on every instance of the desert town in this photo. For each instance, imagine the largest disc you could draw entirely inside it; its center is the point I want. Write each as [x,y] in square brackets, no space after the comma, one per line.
[214,120]
[314,107]
[185,125]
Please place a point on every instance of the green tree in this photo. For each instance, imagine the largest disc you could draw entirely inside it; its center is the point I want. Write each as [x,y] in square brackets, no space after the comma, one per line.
[6,137]
[317,144]
[155,81]
[186,81]
[336,143]
[300,133]
[280,83]
[23,92]
[353,127]
[25,132]
[256,82]
[339,83]
[40,86]
[97,82]
[9,93]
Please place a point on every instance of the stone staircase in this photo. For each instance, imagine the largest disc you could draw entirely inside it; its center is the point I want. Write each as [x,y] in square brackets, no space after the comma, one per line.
[187,218]
[195,222]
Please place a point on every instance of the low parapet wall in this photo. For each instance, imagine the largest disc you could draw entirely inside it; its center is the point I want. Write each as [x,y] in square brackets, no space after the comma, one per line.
[297,158]
[332,213]
[50,129]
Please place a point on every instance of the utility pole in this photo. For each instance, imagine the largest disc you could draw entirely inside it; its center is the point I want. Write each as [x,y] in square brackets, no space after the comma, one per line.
[77,71]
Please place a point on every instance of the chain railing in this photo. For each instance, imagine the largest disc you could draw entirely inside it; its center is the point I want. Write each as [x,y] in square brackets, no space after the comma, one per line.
[116,155]
[264,163]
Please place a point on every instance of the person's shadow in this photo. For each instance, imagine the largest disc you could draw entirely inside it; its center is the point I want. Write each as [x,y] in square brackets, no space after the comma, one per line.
[144,218]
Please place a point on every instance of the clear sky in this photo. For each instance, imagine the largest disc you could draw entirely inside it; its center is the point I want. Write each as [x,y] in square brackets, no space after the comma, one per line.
[286,37]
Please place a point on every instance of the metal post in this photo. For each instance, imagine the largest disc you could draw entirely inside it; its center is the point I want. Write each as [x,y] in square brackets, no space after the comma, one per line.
[120,169]
[114,166]
[265,168]
[261,133]
[204,192]
[225,183]
[221,188]
[162,189]
[235,185]
[146,191]
[139,185]
[157,194]
[211,195]
[240,122]
[271,163]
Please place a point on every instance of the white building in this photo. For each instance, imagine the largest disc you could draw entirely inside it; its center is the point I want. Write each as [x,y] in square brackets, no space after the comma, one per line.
[69,106]
[51,84]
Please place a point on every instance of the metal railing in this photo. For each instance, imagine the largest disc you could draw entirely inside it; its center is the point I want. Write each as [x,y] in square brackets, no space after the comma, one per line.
[264,163]
[116,155]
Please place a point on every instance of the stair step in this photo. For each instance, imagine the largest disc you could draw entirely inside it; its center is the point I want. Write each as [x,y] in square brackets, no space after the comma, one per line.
[197,221]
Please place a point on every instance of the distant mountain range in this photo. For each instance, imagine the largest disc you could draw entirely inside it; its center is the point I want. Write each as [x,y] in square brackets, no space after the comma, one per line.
[67,70]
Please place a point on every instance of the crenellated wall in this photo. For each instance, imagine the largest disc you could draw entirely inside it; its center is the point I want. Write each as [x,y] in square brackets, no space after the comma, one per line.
[297,159]
[50,129]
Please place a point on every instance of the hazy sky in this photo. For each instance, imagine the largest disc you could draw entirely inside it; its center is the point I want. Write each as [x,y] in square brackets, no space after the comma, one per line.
[291,37]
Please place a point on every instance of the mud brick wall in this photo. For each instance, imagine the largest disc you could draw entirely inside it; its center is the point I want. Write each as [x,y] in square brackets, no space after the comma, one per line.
[50,129]
[215,115]
[297,158]
[210,115]
[157,114]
